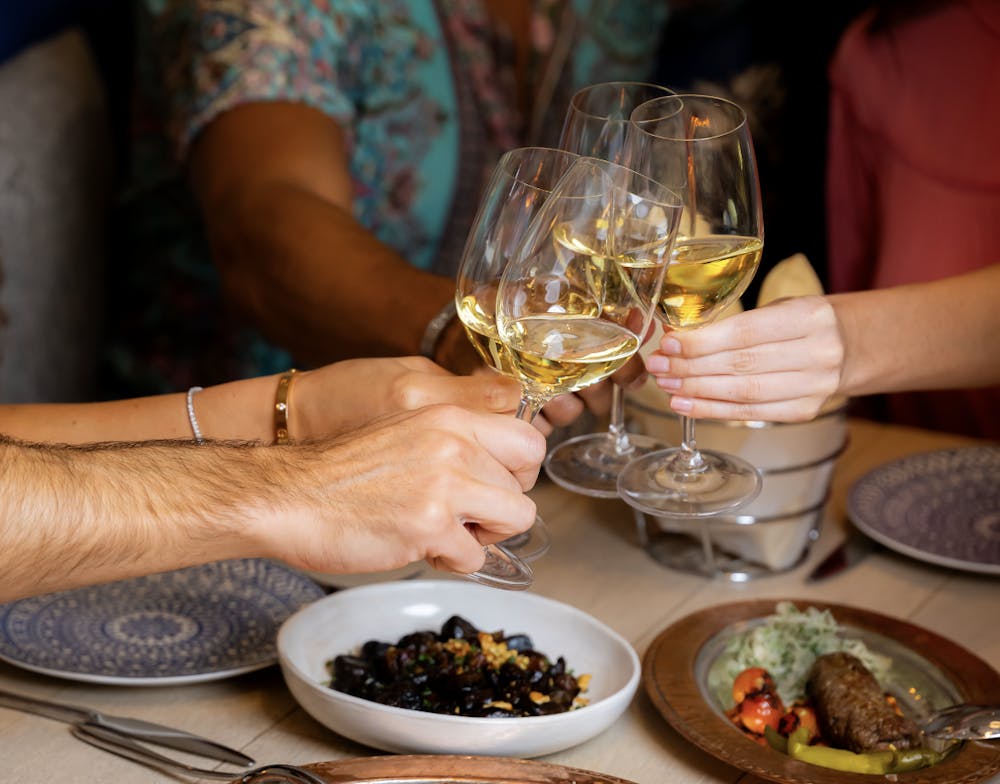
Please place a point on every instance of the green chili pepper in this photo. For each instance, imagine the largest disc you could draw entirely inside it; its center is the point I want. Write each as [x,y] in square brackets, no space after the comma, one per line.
[775,739]
[914,759]
[878,762]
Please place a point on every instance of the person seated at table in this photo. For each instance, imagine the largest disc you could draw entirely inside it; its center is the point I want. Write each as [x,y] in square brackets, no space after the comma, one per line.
[781,362]
[328,159]
[913,173]
[388,460]
[778,74]
[913,192]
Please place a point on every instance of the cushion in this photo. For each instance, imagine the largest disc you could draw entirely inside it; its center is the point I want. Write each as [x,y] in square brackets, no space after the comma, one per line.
[55,184]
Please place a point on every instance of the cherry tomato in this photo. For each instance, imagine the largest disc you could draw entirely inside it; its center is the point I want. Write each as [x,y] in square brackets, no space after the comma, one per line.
[751,681]
[761,710]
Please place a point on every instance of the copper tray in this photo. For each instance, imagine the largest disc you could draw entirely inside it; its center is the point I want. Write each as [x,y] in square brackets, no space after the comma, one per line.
[675,677]
[454,769]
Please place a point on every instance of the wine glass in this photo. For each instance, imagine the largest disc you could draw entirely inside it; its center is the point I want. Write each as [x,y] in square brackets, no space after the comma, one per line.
[705,152]
[520,182]
[575,301]
[596,124]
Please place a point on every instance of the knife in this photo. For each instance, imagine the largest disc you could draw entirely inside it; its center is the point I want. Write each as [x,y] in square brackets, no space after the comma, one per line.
[135,728]
[854,549]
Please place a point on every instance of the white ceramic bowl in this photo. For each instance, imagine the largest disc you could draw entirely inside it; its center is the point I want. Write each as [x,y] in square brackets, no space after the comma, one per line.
[342,622]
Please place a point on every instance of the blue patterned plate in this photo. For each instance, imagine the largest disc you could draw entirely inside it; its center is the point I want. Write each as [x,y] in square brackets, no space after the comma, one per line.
[196,624]
[942,507]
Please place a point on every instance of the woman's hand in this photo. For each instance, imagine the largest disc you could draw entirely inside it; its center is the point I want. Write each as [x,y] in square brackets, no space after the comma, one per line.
[342,396]
[777,363]
[400,489]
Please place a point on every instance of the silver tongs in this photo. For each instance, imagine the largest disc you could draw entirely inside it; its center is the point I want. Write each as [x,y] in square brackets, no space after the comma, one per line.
[123,746]
[122,726]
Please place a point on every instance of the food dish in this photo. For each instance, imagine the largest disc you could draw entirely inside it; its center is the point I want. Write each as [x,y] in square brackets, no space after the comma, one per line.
[942,507]
[677,666]
[443,769]
[343,621]
[197,624]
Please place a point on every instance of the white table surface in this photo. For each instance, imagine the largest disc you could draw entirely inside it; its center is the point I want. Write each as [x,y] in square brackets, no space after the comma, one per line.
[595,564]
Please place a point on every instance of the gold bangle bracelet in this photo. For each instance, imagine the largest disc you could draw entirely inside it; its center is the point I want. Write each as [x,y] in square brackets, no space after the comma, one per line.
[281,406]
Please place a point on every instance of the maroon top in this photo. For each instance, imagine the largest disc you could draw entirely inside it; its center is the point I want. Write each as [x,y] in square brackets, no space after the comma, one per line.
[913,179]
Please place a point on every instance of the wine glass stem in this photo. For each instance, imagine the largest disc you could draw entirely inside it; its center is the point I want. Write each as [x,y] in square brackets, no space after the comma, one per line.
[689,459]
[616,426]
[528,408]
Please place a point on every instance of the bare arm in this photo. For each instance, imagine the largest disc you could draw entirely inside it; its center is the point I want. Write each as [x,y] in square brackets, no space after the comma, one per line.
[274,186]
[939,335]
[783,361]
[397,491]
[325,402]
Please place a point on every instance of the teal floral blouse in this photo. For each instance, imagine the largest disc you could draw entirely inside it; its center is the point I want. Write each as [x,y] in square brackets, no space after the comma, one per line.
[421,89]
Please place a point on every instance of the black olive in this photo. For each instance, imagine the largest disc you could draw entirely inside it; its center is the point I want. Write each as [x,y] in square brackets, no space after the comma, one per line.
[567,682]
[350,674]
[519,642]
[458,628]
[401,696]
[419,641]
[373,649]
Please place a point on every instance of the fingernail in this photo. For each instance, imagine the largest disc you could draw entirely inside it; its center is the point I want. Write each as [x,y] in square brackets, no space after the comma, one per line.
[681,404]
[670,346]
[657,363]
[668,383]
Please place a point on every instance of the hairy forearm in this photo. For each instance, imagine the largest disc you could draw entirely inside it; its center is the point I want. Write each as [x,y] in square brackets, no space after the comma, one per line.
[889,347]
[71,516]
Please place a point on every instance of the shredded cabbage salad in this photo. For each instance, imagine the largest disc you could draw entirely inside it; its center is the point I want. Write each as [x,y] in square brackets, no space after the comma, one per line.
[788,642]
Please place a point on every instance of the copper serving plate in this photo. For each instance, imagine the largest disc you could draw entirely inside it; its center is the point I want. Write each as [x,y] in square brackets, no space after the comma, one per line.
[677,671]
[453,769]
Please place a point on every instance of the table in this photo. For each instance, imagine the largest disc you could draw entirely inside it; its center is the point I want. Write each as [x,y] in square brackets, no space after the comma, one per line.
[594,564]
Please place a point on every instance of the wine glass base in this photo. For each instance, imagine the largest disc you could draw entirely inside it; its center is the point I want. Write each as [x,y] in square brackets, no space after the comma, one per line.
[532,544]
[590,464]
[682,553]
[503,569]
[652,485]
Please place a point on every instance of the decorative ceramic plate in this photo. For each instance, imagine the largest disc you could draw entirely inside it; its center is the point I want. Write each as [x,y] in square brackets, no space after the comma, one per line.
[353,580]
[928,672]
[452,769]
[196,624]
[942,507]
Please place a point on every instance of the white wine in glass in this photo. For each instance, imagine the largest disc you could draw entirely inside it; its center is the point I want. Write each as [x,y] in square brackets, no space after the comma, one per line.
[705,152]
[576,301]
[520,182]
[596,125]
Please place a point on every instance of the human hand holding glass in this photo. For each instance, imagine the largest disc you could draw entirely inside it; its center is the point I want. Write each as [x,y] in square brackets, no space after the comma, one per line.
[596,125]
[705,152]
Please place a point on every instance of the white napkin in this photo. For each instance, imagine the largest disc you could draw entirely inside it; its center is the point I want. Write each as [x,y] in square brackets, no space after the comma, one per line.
[791,277]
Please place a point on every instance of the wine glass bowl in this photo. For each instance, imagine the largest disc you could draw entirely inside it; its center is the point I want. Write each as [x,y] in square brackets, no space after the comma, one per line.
[705,152]
[519,184]
[575,302]
[596,125]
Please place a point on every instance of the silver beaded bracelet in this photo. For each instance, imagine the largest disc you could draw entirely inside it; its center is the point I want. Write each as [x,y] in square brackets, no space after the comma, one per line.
[191,417]
[432,333]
